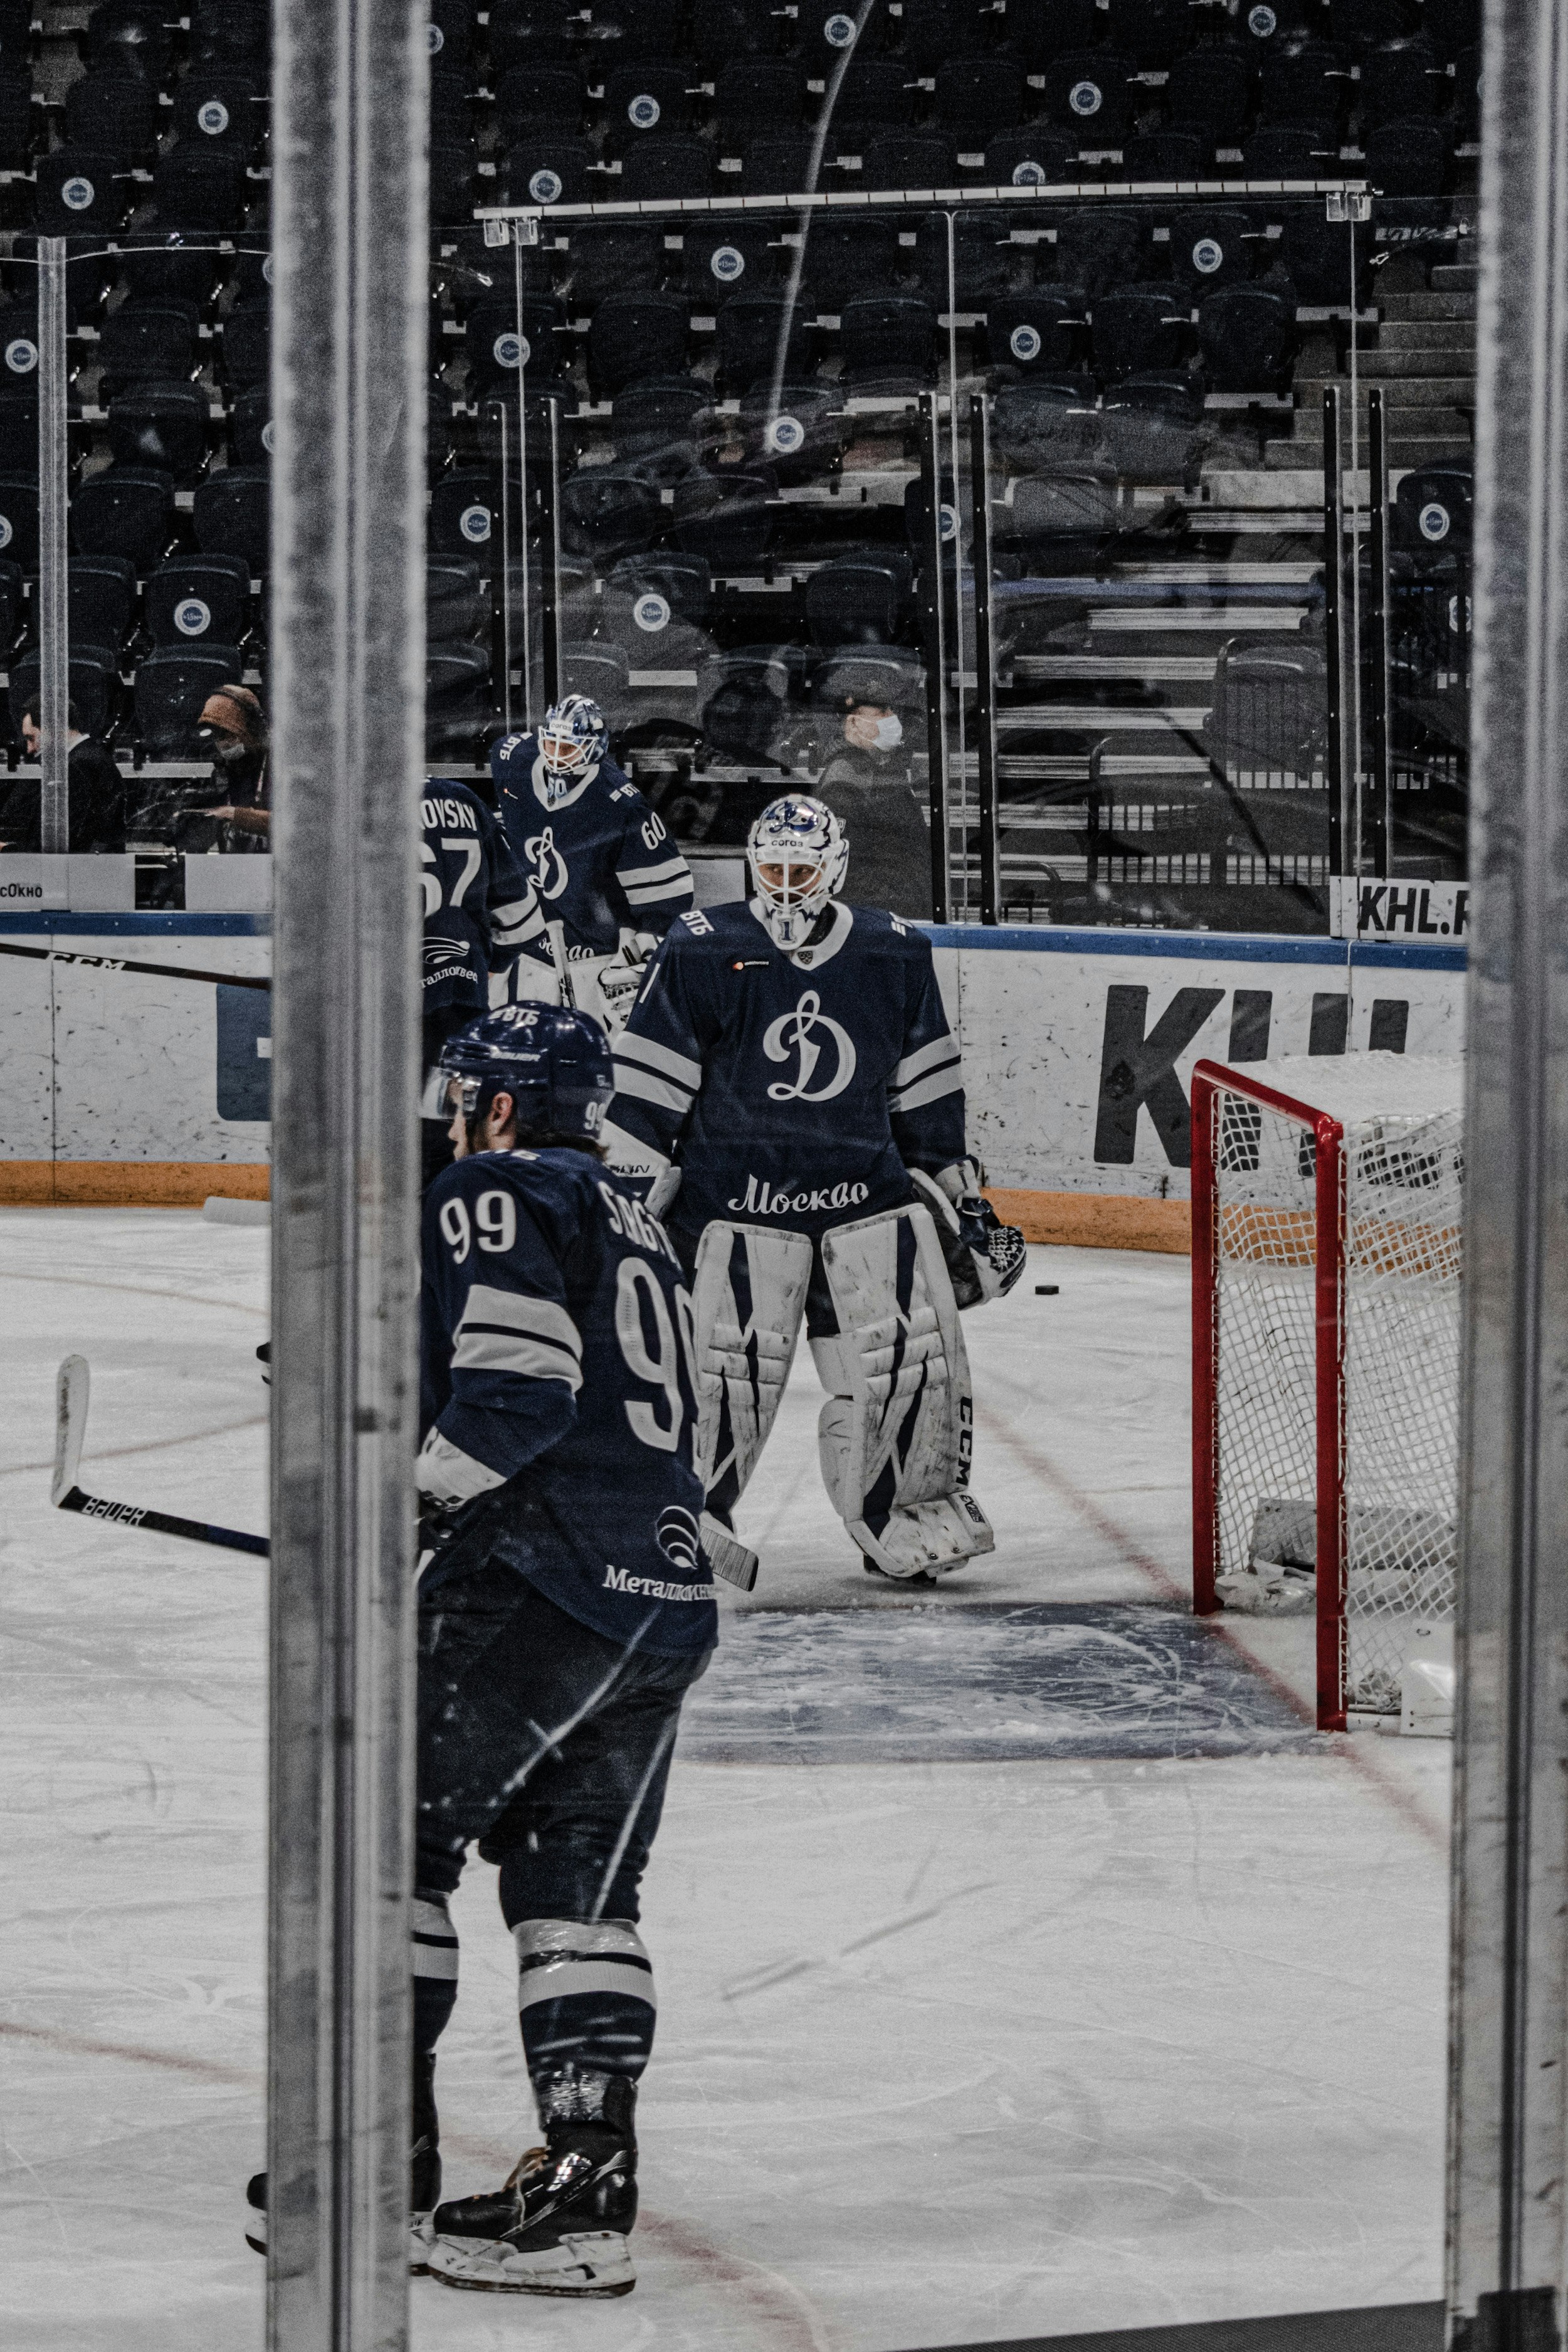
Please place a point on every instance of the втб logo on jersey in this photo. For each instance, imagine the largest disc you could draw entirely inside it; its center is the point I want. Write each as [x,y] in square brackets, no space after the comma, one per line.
[546,864]
[792,1033]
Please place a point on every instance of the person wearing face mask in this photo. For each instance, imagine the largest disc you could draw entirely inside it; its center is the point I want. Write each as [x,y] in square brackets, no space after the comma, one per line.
[233,730]
[865,781]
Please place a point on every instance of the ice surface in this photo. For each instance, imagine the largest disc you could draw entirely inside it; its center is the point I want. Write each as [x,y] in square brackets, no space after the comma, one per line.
[947,2049]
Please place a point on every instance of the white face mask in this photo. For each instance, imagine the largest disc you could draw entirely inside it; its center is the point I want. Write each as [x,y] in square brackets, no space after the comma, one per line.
[889,734]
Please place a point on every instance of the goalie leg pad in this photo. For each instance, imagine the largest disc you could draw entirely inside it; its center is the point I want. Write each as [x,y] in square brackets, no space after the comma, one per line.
[748,1300]
[897,1465]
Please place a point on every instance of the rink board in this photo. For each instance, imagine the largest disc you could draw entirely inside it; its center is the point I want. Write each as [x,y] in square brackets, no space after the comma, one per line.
[119,1086]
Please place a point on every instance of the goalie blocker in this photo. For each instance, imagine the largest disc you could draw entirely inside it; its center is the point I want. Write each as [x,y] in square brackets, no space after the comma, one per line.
[895,1435]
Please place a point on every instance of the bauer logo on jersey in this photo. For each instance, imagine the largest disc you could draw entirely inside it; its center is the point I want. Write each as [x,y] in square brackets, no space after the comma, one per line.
[546,864]
[679,1538]
[807,1032]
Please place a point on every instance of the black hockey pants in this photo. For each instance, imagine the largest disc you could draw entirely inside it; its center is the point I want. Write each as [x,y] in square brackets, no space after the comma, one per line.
[549,1745]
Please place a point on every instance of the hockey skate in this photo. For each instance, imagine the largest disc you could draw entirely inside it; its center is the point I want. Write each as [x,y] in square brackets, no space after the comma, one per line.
[423,2176]
[560,2223]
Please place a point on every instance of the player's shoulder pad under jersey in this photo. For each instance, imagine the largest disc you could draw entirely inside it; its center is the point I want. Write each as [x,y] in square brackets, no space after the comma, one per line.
[554,1182]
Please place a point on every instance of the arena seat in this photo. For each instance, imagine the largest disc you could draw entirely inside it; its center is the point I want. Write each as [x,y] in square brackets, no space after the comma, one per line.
[132,35]
[654,421]
[1139,330]
[888,339]
[250,426]
[634,335]
[233,40]
[1039,331]
[464,516]
[546,168]
[79,191]
[115,111]
[491,341]
[125,510]
[730,28]
[1302,81]
[166,265]
[1041,36]
[725,517]
[752,90]
[19,425]
[1408,159]
[456,599]
[162,425]
[524,30]
[1153,32]
[172,684]
[19,517]
[1246,338]
[658,169]
[194,190]
[192,599]
[1212,246]
[800,436]
[1101,247]
[1034,157]
[775,164]
[607,510]
[1170,154]
[1046,423]
[909,159]
[1433,509]
[102,597]
[981,258]
[725,256]
[1214,88]
[247,345]
[1400,81]
[976,97]
[543,96]
[18,123]
[861,599]
[93,685]
[233,514]
[641,99]
[875,90]
[1152,427]
[223,111]
[846,257]
[685,581]
[1280,152]
[610,258]
[1088,91]
[600,670]
[452,163]
[145,339]
[752,328]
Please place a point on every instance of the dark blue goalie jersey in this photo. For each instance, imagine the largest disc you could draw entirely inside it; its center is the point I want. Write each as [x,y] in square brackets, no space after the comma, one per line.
[479,905]
[597,855]
[793,1090]
[557,1337]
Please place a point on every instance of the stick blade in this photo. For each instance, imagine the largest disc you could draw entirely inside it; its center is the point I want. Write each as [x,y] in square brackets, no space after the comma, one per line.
[72,1386]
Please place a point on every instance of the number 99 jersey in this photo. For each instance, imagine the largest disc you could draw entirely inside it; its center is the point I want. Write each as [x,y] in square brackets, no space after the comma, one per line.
[556,1350]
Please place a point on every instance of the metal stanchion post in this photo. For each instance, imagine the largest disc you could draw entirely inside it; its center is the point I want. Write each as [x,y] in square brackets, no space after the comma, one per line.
[1382,813]
[1342,856]
[985,659]
[1507,2149]
[347,554]
[54,572]
[934,600]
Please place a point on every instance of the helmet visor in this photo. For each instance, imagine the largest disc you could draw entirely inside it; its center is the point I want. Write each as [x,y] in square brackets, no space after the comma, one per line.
[562,752]
[788,881]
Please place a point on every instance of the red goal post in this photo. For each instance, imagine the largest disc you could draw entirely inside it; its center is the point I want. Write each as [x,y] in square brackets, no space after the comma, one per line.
[1326,1237]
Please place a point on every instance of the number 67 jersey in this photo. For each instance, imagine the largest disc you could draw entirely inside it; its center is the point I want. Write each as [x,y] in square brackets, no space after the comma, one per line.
[556,1337]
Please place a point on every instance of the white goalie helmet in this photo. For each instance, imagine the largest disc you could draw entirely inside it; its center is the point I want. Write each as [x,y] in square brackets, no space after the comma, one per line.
[797,857]
[571,733]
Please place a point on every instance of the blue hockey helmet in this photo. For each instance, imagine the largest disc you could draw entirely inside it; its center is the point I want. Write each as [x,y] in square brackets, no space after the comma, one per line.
[555,1065]
[571,733]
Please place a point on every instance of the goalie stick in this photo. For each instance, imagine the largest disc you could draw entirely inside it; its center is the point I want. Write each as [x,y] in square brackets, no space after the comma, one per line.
[71,1392]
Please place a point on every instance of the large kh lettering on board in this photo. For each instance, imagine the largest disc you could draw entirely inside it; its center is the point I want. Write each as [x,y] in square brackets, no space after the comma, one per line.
[1138,1064]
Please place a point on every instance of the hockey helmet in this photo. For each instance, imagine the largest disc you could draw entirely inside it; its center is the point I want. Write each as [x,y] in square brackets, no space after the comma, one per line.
[572,734]
[797,857]
[555,1065]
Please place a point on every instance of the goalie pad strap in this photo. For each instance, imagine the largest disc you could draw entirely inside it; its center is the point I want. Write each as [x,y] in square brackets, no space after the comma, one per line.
[747,1301]
[898,1463]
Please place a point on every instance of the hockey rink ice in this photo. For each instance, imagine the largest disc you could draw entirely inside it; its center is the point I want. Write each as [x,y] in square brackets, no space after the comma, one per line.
[1026,1963]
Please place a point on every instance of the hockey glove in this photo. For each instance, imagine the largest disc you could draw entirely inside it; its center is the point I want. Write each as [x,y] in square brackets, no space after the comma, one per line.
[984,1257]
[618,984]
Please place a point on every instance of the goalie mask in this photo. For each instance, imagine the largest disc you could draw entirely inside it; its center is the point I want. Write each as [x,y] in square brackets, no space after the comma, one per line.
[571,736]
[797,857]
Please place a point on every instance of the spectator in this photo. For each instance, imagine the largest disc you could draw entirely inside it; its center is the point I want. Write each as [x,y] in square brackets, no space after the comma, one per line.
[866,781]
[232,726]
[96,789]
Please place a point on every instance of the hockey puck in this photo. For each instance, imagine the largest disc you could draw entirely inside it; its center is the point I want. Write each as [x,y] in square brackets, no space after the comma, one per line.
[1047,1289]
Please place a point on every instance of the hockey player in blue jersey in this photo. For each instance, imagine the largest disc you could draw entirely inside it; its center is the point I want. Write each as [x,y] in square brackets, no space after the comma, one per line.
[609,877]
[788,1080]
[565,1607]
[480,913]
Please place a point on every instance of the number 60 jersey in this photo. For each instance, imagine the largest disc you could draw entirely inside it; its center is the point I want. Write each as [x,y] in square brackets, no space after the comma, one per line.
[556,1336]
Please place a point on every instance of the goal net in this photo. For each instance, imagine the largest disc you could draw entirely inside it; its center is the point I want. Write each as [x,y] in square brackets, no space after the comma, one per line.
[1327,1225]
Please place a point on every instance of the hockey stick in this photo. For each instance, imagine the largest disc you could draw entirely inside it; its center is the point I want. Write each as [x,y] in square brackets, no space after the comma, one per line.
[128,964]
[71,1391]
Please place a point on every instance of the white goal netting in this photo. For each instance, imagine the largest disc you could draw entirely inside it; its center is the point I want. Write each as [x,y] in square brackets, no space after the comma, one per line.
[1402,1230]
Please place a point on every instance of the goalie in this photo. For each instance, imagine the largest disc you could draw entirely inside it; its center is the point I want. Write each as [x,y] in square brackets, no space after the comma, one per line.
[788,1080]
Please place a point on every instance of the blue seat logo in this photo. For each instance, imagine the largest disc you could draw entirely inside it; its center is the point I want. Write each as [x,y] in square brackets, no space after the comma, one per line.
[838,32]
[511,350]
[213,118]
[77,194]
[643,112]
[1084,97]
[545,188]
[437,40]
[1207,255]
[786,434]
[192,618]
[1262,23]
[1029,175]
[21,356]
[475,524]
[1433,520]
[650,612]
[727,265]
[1024,343]
[269,436]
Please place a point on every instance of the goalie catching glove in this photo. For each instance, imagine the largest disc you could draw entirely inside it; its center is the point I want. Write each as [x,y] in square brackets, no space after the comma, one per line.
[984,1257]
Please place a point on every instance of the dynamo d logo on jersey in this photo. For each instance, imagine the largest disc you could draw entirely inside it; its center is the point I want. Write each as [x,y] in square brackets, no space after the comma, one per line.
[679,1538]
[546,864]
[796,1032]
